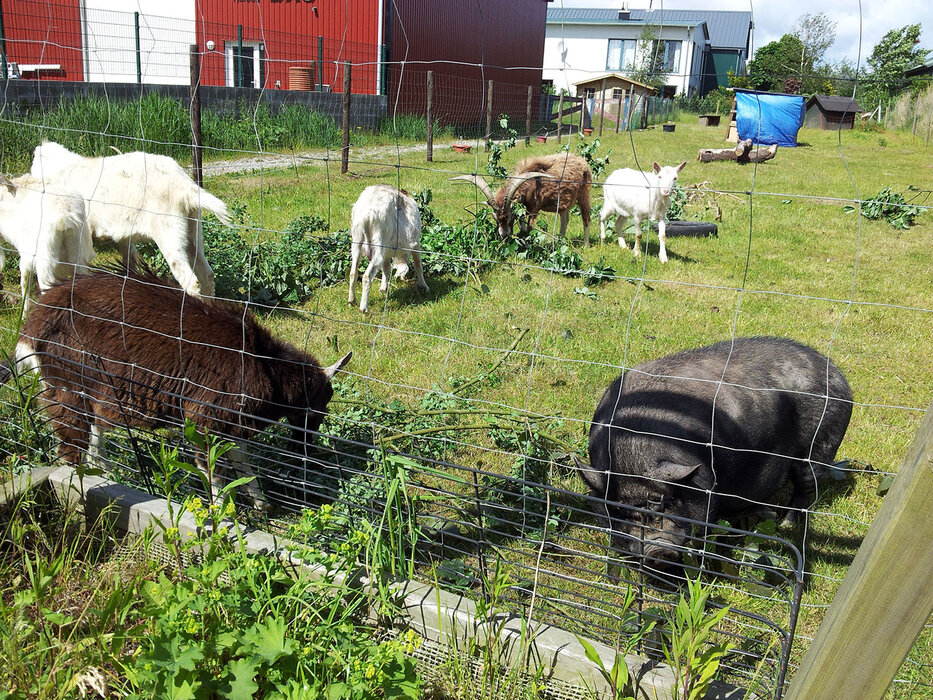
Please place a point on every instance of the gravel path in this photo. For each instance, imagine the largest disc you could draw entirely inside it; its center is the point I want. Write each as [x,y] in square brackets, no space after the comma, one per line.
[279,161]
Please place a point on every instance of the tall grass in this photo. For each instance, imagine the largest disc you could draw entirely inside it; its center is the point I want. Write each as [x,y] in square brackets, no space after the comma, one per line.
[94,125]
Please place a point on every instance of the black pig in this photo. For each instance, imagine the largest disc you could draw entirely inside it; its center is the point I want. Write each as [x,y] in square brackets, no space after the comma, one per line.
[713,432]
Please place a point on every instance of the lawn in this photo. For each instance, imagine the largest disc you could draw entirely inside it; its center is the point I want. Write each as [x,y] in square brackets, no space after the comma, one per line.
[535,349]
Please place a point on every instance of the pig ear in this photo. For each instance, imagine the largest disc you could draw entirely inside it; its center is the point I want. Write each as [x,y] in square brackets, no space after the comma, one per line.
[672,471]
[329,372]
[589,475]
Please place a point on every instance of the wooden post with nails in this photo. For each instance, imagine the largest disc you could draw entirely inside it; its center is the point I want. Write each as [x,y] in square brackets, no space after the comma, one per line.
[885,598]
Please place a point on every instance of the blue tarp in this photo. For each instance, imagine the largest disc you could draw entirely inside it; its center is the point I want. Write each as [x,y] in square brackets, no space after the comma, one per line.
[767,118]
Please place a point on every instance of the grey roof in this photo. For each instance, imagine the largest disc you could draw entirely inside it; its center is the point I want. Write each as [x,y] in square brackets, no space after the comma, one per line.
[727,30]
[835,103]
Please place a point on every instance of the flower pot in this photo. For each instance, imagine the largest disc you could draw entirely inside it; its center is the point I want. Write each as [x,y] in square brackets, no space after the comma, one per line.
[668,127]
[587,132]
[542,139]
[462,147]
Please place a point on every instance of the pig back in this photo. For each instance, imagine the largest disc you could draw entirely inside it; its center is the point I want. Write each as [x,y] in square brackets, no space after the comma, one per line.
[750,413]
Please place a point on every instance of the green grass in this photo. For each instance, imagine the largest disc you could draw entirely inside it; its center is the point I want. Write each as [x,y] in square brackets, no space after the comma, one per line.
[787,261]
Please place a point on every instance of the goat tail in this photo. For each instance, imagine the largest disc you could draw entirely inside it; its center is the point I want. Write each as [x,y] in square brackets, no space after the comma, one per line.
[208,202]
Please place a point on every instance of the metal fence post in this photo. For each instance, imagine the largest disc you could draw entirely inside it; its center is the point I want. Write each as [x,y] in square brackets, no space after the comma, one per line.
[239,56]
[139,58]
[3,44]
[320,63]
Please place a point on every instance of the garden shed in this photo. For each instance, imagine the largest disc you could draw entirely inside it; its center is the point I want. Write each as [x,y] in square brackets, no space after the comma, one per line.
[830,112]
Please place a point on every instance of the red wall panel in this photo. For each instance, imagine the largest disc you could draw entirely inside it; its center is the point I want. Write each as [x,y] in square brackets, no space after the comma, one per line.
[289,31]
[467,44]
[41,32]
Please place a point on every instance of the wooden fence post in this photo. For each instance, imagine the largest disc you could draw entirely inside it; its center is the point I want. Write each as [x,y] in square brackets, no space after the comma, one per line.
[488,114]
[619,111]
[430,116]
[583,112]
[560,115]
[602,107]
[345,151]
[885,598]
[528,115]
[195,113]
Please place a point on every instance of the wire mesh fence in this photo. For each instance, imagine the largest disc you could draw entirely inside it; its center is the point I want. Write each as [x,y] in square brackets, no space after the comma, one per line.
[478,394]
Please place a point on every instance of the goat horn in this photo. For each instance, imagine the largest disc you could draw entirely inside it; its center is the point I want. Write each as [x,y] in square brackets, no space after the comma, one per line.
[329,372]
[479,182]
[6,183]
[516,181]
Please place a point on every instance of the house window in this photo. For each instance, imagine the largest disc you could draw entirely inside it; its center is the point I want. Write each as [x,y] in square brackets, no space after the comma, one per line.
[244,62]
[668,56]
[618,93]
[621,56]
[589,93]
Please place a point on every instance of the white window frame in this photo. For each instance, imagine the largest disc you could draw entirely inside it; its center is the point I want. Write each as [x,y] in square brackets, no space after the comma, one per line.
[230,65]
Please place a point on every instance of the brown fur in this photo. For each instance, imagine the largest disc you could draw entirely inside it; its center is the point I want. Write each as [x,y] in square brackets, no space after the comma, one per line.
[114,351]
[569,184]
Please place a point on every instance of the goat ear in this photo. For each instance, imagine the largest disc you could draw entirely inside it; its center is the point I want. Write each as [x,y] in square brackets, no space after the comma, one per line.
[329,372]
[657,168]
[6,183]
[681,166]
[672,471]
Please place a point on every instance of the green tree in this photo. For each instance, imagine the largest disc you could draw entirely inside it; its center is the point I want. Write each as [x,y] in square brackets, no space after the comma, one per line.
[817,32]
[778,66]
[649,61]
[897,51]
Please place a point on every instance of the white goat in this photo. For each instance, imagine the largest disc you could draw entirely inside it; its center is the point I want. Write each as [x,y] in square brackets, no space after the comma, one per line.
[48,227]
[138,195]
[640,196]
[386,228]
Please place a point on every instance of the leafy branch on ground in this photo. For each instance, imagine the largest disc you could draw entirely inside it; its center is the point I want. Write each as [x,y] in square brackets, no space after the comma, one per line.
[890,206]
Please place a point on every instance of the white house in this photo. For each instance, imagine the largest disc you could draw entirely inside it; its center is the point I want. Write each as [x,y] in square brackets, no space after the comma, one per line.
[696,49]
[166,30]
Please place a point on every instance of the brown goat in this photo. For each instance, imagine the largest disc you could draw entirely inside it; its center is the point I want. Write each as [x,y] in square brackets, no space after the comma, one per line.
[551,183]
[115,351]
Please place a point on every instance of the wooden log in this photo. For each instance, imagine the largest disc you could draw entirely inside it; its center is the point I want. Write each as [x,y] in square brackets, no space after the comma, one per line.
[759,155]
[742,153]
[885,598]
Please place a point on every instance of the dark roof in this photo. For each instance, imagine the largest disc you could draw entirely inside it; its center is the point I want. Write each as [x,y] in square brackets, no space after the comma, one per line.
[834,103]
[726,29]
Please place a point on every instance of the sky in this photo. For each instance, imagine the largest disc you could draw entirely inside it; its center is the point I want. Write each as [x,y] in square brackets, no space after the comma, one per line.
[773,19]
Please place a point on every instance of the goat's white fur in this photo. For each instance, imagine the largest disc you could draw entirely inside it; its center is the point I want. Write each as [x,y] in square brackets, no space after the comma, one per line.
[48,227]
[640,196]
[386,228]
[133,196]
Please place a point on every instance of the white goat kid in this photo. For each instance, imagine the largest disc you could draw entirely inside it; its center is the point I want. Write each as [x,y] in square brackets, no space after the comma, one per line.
[48,227]
[640,196]
[386,228]
[139,196]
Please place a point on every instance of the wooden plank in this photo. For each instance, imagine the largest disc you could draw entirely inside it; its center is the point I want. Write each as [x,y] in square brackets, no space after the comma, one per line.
[345,150]
[886,596]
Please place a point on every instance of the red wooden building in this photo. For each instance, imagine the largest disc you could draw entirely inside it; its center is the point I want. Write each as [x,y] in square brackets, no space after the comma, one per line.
[294,44]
